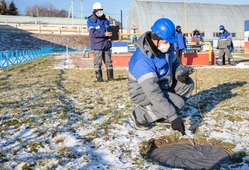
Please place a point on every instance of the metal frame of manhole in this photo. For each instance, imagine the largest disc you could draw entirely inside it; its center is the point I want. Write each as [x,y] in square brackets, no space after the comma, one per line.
[189,157]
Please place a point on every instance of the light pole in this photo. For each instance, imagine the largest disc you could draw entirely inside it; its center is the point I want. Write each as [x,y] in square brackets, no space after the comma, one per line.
[81,9]
[185,16]
[71,10]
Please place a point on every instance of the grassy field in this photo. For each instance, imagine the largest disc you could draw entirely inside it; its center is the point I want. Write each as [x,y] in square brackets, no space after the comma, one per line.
[38,103]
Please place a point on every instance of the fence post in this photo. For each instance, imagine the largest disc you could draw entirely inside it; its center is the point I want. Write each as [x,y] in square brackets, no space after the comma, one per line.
[20,54]
[1,59]
[12,58]
[36,54]
[7,60]
[39,53]
[16,58]
[66,51]
[32,55]
[23,56]
[27,54]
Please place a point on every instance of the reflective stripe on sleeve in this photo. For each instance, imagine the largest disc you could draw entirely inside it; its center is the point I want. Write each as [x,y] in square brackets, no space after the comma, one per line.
[147,76]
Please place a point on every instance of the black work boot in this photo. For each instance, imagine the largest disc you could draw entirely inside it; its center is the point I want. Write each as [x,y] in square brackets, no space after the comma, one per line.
[231,62]
[220,63]
[99,75]
[224,60]
[137,125]
[109,74]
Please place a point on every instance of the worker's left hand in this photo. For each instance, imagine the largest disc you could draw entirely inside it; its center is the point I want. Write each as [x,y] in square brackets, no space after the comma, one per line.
[108,34]
[228,46]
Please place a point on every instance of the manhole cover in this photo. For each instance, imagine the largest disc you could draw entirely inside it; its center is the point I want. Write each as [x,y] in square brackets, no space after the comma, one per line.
[188,157]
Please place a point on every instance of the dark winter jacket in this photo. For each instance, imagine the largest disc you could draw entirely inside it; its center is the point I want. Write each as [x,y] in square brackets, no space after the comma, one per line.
[150,74]
[97,28]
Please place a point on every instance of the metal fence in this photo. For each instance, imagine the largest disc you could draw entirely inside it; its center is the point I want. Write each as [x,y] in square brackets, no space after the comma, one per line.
[10,58]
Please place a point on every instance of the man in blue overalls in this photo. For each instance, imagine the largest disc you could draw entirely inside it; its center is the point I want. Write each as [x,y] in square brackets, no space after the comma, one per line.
[157,81]
[100,43]
[225,46]
[180,45]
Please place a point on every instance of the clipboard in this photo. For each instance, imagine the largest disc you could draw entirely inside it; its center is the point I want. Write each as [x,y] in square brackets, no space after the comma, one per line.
[114,30]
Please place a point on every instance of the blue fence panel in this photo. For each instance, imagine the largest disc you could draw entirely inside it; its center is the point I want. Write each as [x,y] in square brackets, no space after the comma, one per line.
[1,60]
[9,58]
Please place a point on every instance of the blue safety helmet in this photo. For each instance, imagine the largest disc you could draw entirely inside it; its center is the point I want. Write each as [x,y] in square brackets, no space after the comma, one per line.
[165,29]
[221,27]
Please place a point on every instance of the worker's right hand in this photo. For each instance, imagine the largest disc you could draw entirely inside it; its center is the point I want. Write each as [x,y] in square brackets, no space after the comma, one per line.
[178,125]
[217,48]
[182,79]
[108,34]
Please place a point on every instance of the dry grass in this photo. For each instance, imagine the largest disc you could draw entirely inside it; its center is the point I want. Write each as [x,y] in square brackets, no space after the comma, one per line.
[49,101]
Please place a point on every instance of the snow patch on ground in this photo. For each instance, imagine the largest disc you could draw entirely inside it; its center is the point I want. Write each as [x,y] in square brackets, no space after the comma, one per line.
[66,64]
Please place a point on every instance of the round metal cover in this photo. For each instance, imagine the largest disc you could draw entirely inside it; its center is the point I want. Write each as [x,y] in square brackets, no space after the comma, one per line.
[188,157]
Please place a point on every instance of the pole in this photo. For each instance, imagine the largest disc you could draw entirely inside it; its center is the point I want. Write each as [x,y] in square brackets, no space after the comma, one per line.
[72,9]
[121,23]
[81,9]
[185,16]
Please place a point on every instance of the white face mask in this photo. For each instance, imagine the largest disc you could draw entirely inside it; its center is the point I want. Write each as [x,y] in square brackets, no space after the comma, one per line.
[221,31]
[101,14]
[164,47]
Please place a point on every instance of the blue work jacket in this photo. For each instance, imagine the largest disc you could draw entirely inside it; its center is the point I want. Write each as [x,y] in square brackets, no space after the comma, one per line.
[97,27]
[181,41]
[140,65]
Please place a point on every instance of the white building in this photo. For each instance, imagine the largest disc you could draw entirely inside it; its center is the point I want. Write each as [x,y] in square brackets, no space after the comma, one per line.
[207,17]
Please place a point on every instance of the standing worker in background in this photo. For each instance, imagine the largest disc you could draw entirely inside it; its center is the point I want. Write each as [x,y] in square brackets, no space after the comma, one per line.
[181,42]
[225,46]
[100,43]
[158,84]
[197,37]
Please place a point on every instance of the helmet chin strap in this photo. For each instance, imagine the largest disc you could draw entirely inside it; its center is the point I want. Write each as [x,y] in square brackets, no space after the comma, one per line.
[157,43]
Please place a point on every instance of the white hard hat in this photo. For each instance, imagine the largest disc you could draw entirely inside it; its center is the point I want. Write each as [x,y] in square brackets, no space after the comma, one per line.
[97,5]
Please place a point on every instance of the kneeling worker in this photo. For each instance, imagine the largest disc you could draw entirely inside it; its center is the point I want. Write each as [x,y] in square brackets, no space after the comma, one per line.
[157,81]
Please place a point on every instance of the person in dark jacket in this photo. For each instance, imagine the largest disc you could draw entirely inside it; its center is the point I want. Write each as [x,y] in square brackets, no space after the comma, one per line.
[100,43]
[157,82]
[225,46]
[180,45]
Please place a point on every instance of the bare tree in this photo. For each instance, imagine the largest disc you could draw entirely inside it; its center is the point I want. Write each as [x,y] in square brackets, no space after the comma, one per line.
[3,8]
[46,10]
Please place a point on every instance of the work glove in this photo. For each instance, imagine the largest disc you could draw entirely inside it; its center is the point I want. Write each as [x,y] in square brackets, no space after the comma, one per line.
[183,72]
[217,48]
[182,79]
[178,125]
[228,46]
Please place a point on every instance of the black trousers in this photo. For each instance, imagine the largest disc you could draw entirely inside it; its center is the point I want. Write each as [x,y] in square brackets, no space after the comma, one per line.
[179,54]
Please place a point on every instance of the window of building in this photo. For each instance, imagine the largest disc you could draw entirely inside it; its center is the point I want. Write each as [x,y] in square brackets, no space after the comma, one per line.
[216,34]
[233,34]
[186,34]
